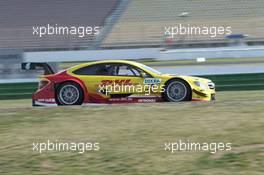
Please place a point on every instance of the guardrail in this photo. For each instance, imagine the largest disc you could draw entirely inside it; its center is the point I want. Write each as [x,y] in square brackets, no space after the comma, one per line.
[238,82]
[231,82]
[17,90]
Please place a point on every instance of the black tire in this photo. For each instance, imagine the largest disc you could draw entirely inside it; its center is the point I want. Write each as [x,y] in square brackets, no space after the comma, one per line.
[69,93]
[177,90]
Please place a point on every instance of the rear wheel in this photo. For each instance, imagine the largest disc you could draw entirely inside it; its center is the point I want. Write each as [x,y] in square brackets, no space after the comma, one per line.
[69,93]
[177,90]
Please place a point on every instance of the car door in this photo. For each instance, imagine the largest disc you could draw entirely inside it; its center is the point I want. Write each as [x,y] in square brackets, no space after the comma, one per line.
[112,80]
[126,79]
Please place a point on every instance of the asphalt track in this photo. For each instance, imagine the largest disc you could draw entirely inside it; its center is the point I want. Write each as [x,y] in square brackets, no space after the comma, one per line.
[214,69]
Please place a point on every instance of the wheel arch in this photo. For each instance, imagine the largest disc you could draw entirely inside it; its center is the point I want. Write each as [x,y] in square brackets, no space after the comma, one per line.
[57,84]
[178,78]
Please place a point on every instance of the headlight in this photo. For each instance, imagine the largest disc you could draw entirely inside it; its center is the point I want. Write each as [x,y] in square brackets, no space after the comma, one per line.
[201,85]
[211,85]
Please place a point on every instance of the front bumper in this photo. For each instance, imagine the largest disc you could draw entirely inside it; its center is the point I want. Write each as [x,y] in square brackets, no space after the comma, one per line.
[208,95]
[213,97]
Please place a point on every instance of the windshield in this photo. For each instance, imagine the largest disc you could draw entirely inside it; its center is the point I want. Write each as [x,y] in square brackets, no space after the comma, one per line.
[150,69]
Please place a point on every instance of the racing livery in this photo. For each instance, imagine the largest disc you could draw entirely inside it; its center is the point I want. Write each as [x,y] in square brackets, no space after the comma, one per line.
[101,82]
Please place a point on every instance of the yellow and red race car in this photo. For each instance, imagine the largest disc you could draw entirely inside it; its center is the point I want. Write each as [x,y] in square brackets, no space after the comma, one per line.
[119,81]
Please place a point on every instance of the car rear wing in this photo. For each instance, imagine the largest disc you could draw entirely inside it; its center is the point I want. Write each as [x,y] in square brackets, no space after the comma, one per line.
[49,68]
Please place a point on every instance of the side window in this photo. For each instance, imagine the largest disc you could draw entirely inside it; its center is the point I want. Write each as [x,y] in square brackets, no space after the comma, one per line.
[125,70]
[110,70]
[97,69]
[88,70]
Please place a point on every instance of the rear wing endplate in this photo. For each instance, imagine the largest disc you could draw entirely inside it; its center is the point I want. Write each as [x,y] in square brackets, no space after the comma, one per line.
[49,68]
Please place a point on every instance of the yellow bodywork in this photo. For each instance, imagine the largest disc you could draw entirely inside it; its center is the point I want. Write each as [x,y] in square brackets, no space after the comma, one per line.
[92,82]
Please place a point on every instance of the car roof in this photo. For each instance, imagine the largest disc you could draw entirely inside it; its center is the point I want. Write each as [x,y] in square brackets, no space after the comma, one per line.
[115,61]
[104,61]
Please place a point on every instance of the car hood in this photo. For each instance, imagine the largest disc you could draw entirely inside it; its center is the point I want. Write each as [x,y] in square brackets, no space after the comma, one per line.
[185,77]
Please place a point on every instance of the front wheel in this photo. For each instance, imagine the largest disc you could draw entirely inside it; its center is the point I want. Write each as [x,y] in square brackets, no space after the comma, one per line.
[69,93]
[177,90]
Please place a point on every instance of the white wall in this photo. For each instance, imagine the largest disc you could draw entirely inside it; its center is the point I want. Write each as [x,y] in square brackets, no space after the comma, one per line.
[176,54]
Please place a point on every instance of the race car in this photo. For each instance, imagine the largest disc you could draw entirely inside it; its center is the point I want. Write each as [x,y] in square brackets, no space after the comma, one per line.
[118,81]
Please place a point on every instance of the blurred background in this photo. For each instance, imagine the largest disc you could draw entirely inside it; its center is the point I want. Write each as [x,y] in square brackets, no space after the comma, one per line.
[132,137]
[135,30]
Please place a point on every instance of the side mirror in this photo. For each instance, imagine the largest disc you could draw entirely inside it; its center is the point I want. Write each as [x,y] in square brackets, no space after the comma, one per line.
[143,74]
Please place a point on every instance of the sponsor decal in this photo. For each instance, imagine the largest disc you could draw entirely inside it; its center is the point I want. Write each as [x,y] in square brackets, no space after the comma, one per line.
[150,100]
[47,100]
[120,99]
[117,82]
[152,81]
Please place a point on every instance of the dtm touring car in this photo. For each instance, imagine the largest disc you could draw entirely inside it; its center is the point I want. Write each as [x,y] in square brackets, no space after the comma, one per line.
[90,83]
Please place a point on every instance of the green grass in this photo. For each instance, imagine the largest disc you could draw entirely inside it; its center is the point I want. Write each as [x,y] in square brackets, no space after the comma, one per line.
[132,137]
